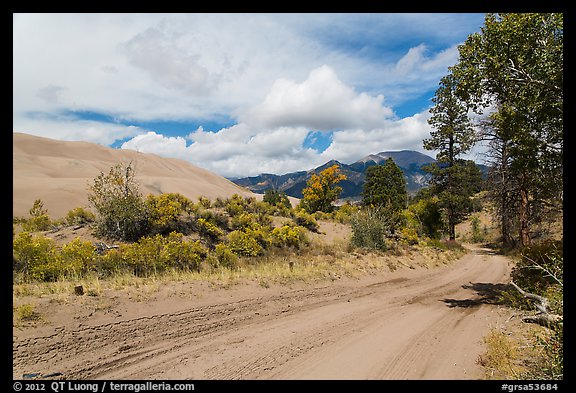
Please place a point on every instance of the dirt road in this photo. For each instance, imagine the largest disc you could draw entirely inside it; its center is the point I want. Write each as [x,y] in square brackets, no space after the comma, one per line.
[413,324]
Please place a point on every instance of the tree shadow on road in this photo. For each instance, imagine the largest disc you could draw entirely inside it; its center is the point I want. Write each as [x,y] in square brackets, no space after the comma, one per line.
[486,293]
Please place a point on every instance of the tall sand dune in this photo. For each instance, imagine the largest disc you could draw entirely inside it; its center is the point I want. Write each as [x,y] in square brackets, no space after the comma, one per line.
[60,173]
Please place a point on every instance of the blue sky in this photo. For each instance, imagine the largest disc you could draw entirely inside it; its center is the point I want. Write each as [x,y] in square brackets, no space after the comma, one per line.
[238,94]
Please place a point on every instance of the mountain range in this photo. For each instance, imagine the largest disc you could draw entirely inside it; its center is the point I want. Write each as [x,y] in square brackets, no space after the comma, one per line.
[409,161]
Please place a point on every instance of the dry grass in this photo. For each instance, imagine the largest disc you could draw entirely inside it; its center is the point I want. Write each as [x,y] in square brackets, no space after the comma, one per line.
[26,314]
[517,351]
[502,357]
[318,262]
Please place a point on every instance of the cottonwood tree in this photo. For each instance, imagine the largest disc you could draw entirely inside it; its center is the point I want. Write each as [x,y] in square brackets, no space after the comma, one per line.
[515,65]
[322,190]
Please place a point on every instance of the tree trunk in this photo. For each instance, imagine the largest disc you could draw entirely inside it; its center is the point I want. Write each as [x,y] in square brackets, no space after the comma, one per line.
[524,215]
[451,228]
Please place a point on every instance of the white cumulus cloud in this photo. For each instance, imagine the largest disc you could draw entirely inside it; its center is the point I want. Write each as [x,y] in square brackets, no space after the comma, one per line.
[321,102]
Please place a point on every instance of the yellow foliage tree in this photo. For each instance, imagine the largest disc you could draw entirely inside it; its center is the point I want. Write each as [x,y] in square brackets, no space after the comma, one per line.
[322,190]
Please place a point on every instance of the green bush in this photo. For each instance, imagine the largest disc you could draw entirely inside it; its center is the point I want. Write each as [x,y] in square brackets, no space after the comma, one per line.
[204,202]
[112,262]
[289,236]
[184,255]
[37,224]
[369,229]
[165,210]
[344,213]
[27,312]
[306,220]
[243,220]
[425,215]
[276,198]
[155,254]
[209,230]
[79,216]
[244,244]
[121,211]
[36,257]
[540,266]
[39,219]
[224,256]
[77,258]
[409,235]
[234,206]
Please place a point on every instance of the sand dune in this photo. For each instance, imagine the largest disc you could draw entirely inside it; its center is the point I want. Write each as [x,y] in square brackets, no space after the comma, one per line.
[59,173]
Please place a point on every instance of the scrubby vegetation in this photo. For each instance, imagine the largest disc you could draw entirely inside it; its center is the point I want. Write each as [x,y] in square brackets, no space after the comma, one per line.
[157,234]
[537,354]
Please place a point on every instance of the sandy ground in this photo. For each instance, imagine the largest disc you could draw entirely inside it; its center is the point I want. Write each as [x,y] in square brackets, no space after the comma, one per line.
[405,324]
[60,173]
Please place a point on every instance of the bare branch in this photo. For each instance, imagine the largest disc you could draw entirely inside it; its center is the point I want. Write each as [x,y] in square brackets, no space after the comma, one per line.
[543,318]
[542,304]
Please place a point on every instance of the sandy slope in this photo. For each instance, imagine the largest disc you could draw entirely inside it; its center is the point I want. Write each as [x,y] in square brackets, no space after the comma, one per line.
[406,324]
[59,172]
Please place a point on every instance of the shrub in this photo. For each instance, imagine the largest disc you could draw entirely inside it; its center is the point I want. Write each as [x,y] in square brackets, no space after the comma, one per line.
[26,312]
[540,267]
[166,212]
[306,220]
[216,218]
[344,213]
[409,235]
[243,220]
[276,198]
[77,257]
[369,229]
[444,245]
[112,261]
[209,230]
[185,255]
[425,214]
[260,233]
[244,244]
[289,236]
[79,216]
[234,206]
[37,224]
[39,219]
[224,256]
[36,257]
[204,202]
[155,254]
[122,212]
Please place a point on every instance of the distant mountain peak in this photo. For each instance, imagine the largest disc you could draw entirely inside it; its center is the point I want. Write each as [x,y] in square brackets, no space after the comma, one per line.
[293,183]
[402,158]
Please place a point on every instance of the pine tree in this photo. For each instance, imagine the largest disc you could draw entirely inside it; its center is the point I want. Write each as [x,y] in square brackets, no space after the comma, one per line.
[385,185]
[452,137]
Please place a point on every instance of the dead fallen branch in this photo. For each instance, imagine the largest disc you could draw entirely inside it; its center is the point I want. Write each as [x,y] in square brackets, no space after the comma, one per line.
[542,304]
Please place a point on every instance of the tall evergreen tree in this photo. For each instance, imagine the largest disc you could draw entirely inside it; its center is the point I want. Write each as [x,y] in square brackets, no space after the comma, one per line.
[385,185]
[452,136]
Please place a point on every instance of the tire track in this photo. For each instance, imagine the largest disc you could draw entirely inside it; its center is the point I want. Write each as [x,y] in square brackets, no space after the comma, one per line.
[386,329]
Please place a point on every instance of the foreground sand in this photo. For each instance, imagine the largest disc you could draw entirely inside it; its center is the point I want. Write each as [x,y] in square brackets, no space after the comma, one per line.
[407,324]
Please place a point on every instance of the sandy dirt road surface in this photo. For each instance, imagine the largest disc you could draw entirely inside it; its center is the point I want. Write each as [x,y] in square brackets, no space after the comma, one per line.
[413,324]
